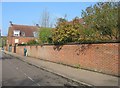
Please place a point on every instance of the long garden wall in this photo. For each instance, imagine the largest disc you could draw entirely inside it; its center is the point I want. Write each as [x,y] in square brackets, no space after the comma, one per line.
[96,57]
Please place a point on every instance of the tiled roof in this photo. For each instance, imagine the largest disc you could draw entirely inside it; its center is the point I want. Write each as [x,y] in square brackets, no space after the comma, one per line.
[28,30]
[80,20]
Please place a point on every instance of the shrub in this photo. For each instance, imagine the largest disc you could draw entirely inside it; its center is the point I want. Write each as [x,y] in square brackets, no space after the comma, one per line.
[32,42]
[66,32]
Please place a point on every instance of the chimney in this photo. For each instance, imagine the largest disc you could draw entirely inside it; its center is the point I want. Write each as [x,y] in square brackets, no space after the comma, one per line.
[37,25]
[11,23]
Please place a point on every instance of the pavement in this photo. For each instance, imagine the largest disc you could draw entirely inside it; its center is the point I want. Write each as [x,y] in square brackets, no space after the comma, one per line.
[78,75]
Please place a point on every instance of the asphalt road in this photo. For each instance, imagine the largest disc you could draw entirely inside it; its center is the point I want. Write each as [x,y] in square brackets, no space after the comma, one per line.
[18,73]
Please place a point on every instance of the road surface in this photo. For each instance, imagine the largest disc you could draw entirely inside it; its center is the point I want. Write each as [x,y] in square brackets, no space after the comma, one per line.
[18,73]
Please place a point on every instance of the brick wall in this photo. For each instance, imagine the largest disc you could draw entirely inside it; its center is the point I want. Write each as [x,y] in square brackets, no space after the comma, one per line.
[97,57]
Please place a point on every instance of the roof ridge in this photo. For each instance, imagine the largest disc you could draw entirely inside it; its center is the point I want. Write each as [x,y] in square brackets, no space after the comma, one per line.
[24,25]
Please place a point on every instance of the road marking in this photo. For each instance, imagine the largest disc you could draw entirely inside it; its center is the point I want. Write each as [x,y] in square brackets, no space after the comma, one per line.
[38,84]
[31,79]
[17,68]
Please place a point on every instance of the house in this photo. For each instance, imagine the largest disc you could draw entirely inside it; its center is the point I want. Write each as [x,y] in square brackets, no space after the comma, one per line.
[79,20]
[21,34]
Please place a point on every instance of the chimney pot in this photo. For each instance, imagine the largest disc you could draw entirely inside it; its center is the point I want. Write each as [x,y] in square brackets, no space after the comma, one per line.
[11,23]
[37,25]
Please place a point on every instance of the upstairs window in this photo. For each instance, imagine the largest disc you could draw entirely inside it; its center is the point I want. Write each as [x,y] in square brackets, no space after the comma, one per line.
[35,34]
[16,33]
[23,33]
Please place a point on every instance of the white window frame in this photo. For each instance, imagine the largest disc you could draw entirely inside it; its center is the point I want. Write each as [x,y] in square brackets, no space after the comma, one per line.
[16,33]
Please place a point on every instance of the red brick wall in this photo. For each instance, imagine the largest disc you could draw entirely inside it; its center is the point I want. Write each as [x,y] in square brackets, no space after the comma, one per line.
[97,57]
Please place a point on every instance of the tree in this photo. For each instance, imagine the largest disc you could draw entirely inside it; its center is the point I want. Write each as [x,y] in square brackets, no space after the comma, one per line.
[66,32]
[45,35]
[61,20]
[45,19]
[103,18]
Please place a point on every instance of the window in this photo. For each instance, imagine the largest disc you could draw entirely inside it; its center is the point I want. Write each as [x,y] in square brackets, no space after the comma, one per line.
[16,40]
[23,33]
[35,34]
[16,33]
